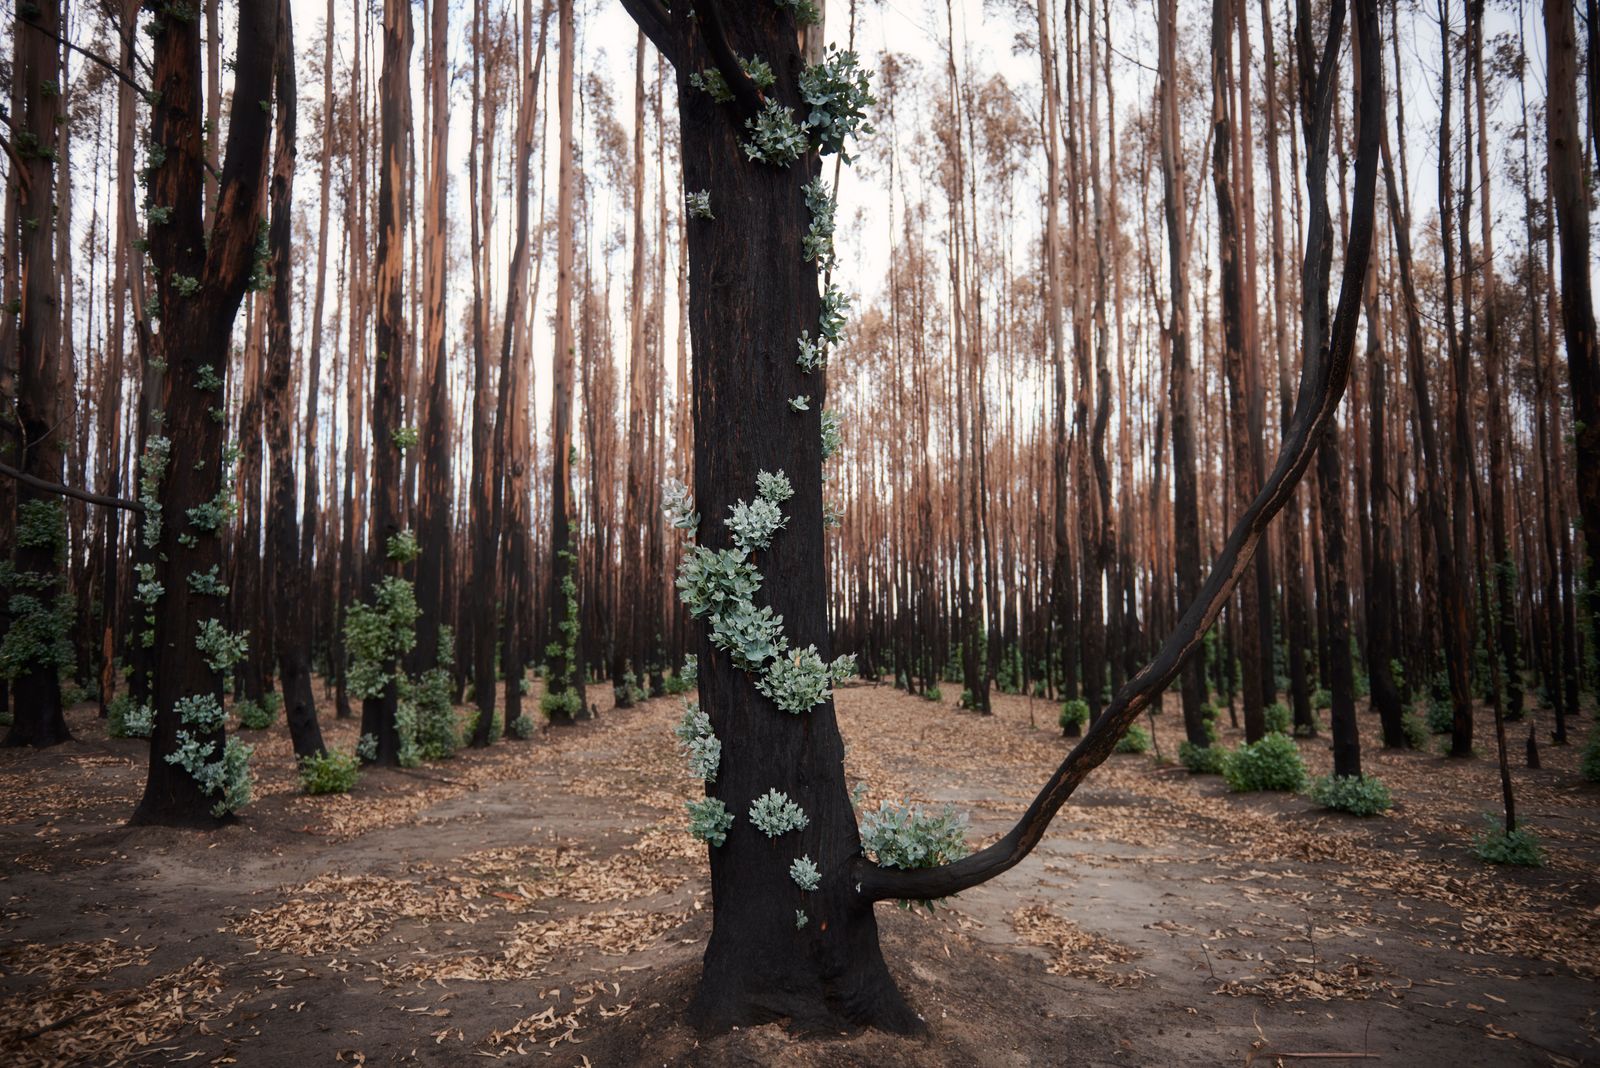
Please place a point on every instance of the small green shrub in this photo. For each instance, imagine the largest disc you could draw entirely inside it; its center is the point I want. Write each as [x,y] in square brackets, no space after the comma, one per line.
[1273,763]
[1440,714]
[1520,847]
[557,705]
[1137,740]
[628,692]
[127,718]
[331,772]
[1415,730]
[933,694]
[1074,714]
[1589,767]
[1279,719]
[675,684]
[1208,716]
[1202,759]
[523,727]
[437,733]
[1359,795]
[255,715]
[469,726]
[1321,700]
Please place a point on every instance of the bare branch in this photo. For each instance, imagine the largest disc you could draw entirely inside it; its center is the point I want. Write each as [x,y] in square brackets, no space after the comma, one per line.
[1322,384]
[45,486]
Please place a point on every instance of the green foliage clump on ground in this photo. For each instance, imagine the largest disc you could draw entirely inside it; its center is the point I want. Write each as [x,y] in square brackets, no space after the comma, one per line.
[1137,740]
[1279,719]
[1415,730]
[435,733]
[1590,766]
[1273,763]
[1074,713]
[127,718]
[1440,710]
[1321,699]
[1359,795]
[524,727]
[1520,848]
[1202,759]
[329,772]
[258,715]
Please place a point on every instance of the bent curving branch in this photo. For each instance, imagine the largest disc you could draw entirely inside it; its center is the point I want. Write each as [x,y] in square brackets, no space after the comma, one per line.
[1322,385]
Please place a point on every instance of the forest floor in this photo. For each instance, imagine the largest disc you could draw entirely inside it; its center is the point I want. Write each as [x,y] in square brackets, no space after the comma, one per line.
[541,901]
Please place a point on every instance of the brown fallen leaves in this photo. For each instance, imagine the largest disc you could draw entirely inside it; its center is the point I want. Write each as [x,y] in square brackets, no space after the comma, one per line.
[334,912]
[1077,952]
[77,1026]
[531,946]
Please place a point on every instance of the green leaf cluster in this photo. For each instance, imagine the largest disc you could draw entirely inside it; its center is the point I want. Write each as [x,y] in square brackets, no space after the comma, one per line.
[698,744]
[839,92]
[774,814]
[1137,740]
[1520,848]
[1273,763]
[378,634]
[1359,795]
[805,873]
[1279,718]
[329,772]
[904,836]
[1202,759]
[709,820]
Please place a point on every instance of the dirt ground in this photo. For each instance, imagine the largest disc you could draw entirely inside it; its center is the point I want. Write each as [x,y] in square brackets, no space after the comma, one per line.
[541,902]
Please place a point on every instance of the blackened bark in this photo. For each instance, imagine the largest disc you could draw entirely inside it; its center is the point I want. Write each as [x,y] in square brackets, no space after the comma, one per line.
[1577,298]
[292,615]
[39,555]
[1379,578]
[749,299]
[196,327]
[1180,379]
[393,350]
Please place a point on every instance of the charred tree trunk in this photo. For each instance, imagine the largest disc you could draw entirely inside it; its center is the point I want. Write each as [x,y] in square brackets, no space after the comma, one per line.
[199,285]
[1577,297]
[292,616]
[1180,383]
[391,354]
[34,648]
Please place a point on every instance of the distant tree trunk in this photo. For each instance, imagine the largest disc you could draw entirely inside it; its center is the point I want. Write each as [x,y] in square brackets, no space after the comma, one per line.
[1248,604]
[1431,486]
[1458,610]
[292,616]
[393,348]
[436,489]
[565,672]
[1180,384]
[1577,297]
[635,625]
[34,649]
[311,514]
[1379,576]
